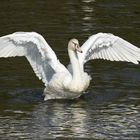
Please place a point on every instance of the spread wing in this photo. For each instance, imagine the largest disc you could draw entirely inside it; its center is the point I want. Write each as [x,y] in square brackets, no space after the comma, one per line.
[108,47]
[37,51]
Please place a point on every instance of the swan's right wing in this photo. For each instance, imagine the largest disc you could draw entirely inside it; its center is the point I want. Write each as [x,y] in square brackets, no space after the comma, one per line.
[37,51]
[109,47]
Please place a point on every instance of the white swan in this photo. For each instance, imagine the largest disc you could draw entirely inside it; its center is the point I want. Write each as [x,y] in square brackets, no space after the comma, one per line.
[59,81]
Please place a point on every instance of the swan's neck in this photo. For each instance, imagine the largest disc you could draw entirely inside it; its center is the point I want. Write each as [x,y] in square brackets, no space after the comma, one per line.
[75,66]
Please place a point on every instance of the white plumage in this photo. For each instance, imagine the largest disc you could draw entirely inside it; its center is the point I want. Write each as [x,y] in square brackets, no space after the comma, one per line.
[59,81]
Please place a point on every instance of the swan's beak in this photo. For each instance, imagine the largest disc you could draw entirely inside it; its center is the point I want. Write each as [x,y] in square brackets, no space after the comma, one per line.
[79,49]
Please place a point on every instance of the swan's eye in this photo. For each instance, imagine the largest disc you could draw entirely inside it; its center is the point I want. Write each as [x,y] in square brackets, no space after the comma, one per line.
[75,44]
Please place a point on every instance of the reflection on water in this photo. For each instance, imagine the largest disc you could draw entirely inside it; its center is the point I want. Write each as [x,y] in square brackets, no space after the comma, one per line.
[78,120]
[111,107]
[81,118]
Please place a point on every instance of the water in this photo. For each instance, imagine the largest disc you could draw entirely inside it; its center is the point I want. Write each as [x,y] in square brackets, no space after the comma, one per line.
[111,107]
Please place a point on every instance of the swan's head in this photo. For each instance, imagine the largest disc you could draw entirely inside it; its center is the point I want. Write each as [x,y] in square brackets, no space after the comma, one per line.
[74,45]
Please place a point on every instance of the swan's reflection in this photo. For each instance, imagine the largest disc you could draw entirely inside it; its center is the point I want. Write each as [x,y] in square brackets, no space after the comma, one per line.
[82,118]
[70,119]
[60,119]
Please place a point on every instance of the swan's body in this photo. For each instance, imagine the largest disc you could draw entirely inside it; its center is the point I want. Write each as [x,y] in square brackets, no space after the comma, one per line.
[59,81]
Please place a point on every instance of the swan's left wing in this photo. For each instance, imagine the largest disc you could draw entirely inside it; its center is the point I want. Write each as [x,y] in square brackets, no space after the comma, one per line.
[37,51]
[108,47]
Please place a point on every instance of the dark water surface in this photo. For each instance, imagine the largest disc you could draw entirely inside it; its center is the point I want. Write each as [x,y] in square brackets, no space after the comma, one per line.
[111,107]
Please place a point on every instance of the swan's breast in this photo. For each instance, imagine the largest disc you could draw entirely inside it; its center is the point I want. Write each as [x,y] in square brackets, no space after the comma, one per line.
[64,81]
[60,80]
[80,85]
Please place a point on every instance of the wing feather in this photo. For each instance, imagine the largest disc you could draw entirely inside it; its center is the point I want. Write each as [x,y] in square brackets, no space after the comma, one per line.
[116,56]
[131,51]
[102,55]
[111,55]
[109,47]
[37,51]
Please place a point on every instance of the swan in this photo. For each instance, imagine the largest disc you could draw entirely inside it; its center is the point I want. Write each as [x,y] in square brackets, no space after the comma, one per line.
[61,82]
